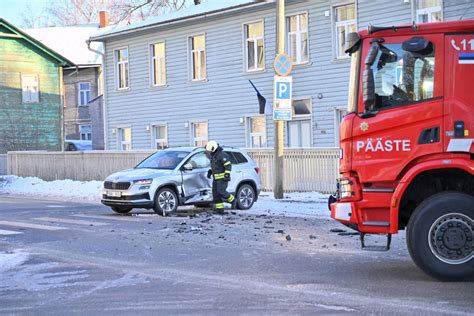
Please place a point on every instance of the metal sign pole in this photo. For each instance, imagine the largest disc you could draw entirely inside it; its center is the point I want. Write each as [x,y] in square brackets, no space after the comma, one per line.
[278,142]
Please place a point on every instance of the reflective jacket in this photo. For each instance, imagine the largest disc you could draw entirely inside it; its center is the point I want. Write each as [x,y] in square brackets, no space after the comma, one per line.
[220,164]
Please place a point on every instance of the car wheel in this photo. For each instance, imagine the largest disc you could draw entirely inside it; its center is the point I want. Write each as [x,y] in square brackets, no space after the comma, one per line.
[166,202]
[245,197]
[121,209]
[440,236]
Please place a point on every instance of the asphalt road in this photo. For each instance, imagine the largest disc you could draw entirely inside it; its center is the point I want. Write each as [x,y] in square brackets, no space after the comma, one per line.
[59,258]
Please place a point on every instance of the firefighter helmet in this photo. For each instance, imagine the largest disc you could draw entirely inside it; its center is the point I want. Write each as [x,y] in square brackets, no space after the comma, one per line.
[211,146]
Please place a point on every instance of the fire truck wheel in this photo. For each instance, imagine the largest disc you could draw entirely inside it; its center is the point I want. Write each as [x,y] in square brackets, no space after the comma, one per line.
[440,236]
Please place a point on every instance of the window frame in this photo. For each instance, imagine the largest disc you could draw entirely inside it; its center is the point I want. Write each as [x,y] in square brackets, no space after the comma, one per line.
[151,67]
[30,100]
[120,142]
[117,68]
[80,90]
[436,40]
[89,133]
[337,124]
[248,130]
[245,46]
[298,33]
[416,12]
[193,138]
[301,117]
[191,58]
[154,140]
[335,24]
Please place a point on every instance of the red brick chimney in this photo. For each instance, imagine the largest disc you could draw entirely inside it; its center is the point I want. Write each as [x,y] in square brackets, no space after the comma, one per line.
[104,19]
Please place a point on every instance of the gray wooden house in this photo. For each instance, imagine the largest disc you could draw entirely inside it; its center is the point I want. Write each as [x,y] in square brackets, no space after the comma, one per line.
[183,78]
[82,83]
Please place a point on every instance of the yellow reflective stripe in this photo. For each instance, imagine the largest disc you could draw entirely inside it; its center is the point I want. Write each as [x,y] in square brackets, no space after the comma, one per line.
[219,176]
[231,198]
[227,163]
[219,205]
[227,171]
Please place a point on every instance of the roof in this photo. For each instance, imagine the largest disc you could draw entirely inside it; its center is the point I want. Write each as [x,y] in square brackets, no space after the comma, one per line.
[211,7]
[15,32]
[70,41]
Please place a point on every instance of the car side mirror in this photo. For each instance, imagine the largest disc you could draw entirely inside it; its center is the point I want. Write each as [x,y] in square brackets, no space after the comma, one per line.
[188,167]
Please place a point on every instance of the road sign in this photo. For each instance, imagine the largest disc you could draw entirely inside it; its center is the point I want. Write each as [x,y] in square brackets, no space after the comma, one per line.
[283,65]
[282,110]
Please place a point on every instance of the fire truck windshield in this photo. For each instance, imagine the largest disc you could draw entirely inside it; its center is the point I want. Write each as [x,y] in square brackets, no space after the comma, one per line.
[402,77]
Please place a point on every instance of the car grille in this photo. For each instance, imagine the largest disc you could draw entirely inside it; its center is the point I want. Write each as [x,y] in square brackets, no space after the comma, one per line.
[116,185]
[144,196]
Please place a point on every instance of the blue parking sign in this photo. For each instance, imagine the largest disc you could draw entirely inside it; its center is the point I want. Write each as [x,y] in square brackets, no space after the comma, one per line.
[283,90]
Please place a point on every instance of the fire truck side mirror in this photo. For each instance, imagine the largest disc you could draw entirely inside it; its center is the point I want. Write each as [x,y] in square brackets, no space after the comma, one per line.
[368,83]
[352,42]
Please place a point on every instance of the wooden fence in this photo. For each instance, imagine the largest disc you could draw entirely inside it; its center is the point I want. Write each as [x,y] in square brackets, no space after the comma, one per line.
[3,164]
[74,165]
[305,170]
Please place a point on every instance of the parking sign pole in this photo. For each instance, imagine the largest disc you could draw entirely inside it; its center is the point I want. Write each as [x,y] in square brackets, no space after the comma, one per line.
[278,142]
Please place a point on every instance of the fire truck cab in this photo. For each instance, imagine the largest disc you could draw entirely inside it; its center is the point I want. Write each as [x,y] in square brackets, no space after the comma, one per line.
[407,150]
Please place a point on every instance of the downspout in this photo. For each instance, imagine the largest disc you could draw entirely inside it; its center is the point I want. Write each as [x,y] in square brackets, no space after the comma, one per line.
[61,97]
[104,90]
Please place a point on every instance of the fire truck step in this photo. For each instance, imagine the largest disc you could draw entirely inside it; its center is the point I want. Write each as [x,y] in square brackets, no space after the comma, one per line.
[384,224]
[375,247]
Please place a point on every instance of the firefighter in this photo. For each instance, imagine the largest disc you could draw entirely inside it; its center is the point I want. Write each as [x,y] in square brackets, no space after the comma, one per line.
[220,172]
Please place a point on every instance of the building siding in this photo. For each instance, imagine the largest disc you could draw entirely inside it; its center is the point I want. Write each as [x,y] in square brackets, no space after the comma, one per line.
[74,114]
[226,96]
[28,126]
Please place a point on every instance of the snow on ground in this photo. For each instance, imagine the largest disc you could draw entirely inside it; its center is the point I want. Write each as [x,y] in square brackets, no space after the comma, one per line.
[64,190]
[301,204]
[10,260]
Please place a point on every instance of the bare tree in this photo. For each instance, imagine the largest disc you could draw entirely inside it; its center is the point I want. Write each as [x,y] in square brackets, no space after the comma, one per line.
[32,18]
[74,12]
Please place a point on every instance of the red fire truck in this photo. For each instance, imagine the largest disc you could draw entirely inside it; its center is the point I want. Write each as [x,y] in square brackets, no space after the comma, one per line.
[407,150]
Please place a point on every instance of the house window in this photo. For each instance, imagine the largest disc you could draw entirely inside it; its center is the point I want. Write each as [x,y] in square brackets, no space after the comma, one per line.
[428,11]
[199,134]
[30,88]
[160,136]
[122,71]
[86,132]
[84,93]
[298,38]
[339,113]
[299,129]
[256,132]
[344,24]
[198,57]
[125,138]
[254,47]
[158,64]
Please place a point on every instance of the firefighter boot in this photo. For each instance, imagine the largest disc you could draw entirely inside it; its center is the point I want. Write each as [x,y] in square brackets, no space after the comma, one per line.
[233,202]
[219,208]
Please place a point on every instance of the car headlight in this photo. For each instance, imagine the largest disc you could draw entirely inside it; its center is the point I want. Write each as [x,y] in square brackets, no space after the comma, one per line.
[143,181]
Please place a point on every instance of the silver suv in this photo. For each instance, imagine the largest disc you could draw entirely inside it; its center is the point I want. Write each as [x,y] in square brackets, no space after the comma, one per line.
[173,177]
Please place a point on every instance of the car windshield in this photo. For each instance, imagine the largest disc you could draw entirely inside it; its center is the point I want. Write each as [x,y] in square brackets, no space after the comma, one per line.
[164,159]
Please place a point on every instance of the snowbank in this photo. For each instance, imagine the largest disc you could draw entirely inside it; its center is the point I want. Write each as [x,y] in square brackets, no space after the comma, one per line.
[301,204]
[67,190]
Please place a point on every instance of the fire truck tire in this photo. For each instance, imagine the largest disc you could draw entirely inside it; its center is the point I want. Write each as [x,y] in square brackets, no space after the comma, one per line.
[440,236]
